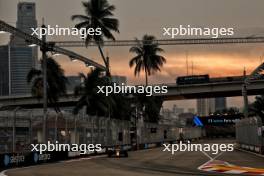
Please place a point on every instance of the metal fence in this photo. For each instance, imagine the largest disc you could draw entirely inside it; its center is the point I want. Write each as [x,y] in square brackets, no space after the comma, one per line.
[249,134]
[20,128]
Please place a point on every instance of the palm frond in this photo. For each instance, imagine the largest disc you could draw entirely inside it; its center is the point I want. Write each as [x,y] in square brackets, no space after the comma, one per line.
[32,74]
[80,17]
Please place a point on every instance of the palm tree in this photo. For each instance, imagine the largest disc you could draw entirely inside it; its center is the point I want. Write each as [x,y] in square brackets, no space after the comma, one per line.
[96,103]
[258,107]
[149,106]
[147,58]
[99,14]
[56,81]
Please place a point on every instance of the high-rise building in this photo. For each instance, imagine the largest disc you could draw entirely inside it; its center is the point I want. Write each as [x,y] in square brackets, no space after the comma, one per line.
[119,79]
[220,104]
[202,107]
[20,64]
[26,19]
[4,70]
[191,110]
[176,110]
[207,106]
[17,58]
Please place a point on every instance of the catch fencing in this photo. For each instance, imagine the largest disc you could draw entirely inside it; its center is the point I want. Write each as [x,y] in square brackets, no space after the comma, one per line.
[20,128]
[250,134]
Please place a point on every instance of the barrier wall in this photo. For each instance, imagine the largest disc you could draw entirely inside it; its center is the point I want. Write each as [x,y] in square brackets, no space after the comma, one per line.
[19,129]
[249,134]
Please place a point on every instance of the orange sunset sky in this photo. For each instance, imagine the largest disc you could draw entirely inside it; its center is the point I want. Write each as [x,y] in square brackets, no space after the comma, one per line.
[139,17]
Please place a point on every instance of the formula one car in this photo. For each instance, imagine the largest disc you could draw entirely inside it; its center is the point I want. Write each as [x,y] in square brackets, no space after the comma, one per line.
[117,152]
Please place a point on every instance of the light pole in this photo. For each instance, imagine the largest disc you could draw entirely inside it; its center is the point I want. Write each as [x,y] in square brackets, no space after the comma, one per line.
[134,105]
[45,101]
[14,130]
[56,128]
[244,93]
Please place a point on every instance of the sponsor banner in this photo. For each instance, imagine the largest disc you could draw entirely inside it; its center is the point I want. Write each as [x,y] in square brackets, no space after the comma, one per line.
[25,159]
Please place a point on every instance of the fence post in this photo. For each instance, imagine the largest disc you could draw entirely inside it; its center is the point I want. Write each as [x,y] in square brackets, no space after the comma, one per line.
[14,131]
[56,128]
[30,126]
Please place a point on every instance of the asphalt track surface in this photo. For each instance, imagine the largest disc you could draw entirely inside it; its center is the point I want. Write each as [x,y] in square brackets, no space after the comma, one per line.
[151,162]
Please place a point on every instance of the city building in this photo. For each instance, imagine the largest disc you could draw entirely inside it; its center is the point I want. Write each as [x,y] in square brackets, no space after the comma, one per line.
[191,110]
[220,104]
[177,110]
[17,58]
[119,79]
[26,19]
[207,106]
[186,119]
[4,70]
[168,117]
[202,107]
[20,64]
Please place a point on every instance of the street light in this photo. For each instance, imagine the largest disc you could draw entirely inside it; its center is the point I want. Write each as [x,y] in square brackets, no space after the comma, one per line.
[73,59]
[32,45]
[44,49]
[55,54]
[89,66]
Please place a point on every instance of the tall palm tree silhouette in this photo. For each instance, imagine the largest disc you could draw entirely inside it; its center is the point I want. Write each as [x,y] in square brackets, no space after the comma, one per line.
[147,58]
[95,103]
[98,14]
[258,107]
[56,81]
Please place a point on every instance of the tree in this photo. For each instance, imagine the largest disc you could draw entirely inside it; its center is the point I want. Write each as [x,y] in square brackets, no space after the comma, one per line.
[229,111]
[56,81]
[152,109]
[98,15]
[147,58]
[115,105]
[95,103]
[149,106]
[258,107]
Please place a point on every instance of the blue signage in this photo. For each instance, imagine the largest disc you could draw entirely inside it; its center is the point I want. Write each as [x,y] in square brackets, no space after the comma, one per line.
[197,121]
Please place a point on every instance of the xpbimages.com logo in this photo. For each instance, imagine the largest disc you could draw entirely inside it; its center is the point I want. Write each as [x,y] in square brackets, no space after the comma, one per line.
[62,31]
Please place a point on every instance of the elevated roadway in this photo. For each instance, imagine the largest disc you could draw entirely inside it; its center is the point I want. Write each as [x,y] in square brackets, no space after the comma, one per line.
[175,92]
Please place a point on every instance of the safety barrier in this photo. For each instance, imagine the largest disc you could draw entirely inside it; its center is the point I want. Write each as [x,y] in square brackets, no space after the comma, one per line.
[21,128]
[250,134]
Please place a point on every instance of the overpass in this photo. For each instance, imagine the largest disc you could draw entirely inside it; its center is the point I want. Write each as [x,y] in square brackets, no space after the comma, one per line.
[175,92]
[213,89]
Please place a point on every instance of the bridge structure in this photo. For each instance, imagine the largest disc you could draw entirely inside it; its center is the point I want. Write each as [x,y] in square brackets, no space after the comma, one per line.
[211,90]
[216,88]
[33,40]
[175,92]
[189,41]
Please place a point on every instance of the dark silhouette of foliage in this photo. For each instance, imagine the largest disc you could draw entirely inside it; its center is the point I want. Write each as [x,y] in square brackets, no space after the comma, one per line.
[147,58]
[56,82]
